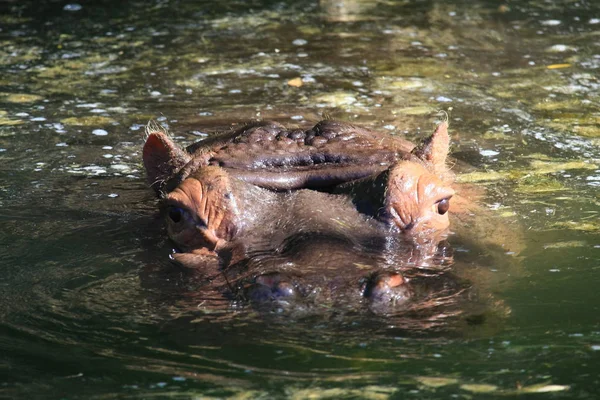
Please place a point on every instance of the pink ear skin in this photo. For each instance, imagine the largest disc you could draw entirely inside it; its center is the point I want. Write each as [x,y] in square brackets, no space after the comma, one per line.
[435,148]
[162,158]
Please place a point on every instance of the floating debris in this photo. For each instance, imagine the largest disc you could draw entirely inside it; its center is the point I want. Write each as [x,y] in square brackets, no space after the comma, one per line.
[435,381]
[479,388]
[296,82]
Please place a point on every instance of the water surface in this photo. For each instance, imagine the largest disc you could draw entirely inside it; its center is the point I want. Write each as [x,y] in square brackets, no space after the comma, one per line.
[91,306]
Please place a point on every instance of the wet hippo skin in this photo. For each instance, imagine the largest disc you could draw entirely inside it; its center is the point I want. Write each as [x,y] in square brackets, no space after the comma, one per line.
[336,210]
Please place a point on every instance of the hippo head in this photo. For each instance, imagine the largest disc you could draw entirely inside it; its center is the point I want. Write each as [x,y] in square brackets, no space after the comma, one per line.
[294,206]
[402,187]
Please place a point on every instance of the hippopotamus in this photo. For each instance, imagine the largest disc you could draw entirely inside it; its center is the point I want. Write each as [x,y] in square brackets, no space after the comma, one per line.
[334,214]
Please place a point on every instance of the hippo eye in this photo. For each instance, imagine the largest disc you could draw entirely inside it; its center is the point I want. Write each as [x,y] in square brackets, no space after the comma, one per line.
[443,206]
[176,214]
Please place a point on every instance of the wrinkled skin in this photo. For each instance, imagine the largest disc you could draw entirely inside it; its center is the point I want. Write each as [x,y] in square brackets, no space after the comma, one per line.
[336,214]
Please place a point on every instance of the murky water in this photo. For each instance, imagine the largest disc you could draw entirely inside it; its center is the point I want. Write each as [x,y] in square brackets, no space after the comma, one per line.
[90,305]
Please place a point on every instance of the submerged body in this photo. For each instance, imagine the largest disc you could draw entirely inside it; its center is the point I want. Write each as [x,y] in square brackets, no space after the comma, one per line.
[335,214]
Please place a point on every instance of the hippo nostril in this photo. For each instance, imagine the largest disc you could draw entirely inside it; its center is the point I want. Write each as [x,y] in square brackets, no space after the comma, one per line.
[283,289]
[385,288]
[270,287]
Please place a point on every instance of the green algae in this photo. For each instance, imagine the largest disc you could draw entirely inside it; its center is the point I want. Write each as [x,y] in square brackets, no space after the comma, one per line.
[479,387]
[482,177]
[20,98]
[553,105]
[535,184]
[582,226]
[5,121]
[370,392]
[546,167]
[336,99]
[93,120]
[435,381]
[544,388]
[418,110]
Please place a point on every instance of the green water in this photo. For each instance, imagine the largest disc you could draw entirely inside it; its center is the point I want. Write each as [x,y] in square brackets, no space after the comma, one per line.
[90,306]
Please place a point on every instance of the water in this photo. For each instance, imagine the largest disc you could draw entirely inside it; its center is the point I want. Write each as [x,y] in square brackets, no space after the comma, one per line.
[90,305]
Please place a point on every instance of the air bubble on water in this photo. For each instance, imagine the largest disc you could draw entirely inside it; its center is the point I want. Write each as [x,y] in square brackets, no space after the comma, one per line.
[357,83]
[36,119]
[389,127]
[155,93]
[551,22]
[594,21]
[443,99]
[88,105]
[120,167]
[297,117]
[235,91]
[97,110]
[99,132]
[22,114]
[135,127]
[560,48]
[107,147]
[113,195]
[488,153]
[299,42]
[72,7]
[61,144]
[107,156]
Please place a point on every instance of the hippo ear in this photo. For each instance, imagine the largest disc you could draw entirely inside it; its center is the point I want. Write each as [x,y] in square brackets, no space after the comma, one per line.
[434,149]
[162,158]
